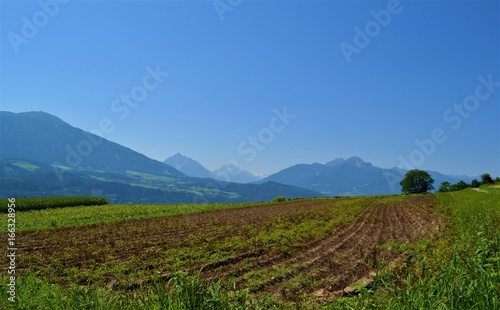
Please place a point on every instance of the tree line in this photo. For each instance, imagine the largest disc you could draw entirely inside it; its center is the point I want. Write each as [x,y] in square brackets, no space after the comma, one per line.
[485,179]
[419,181]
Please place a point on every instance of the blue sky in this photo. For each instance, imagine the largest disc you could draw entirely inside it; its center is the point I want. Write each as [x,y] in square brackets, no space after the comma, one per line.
[419,71]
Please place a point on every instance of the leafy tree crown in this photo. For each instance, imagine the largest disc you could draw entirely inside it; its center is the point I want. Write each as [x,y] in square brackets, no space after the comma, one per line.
[416,182]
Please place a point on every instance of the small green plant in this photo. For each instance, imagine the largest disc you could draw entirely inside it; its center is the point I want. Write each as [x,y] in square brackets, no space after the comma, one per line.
[279,199]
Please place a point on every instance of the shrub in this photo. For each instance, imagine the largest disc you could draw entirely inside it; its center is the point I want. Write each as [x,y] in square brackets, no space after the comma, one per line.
[475,183]
[445,187]
[279,199]
[459,186]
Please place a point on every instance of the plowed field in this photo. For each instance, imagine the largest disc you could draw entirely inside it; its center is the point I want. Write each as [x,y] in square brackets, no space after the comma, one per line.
[318,247]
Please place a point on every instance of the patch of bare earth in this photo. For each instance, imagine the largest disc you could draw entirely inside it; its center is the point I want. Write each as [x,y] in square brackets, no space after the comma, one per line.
[343,257]
[334,262]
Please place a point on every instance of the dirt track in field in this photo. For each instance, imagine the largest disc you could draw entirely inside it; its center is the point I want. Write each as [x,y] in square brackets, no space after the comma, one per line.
[335,261]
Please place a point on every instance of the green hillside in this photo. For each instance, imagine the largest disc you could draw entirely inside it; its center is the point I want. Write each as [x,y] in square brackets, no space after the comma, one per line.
[41,156]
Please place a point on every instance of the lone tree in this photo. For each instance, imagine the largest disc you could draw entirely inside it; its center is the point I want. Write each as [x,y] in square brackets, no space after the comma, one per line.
[416,182]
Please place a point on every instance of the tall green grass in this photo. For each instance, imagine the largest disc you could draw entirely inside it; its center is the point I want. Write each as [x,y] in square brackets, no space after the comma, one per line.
[464,270]
[179,292]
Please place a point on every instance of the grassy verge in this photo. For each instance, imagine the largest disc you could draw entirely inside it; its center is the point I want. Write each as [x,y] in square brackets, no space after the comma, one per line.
[181,291]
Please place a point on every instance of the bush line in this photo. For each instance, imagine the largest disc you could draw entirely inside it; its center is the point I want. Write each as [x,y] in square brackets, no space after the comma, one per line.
[27,204]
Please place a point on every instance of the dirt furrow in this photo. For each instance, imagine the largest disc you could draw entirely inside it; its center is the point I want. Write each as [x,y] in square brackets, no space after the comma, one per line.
[358,257]
[366,254]
[335,260]
[282,259]
[405,227]
[317,255]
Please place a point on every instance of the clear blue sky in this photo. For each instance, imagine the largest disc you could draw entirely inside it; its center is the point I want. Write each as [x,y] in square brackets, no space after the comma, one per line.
[226,77]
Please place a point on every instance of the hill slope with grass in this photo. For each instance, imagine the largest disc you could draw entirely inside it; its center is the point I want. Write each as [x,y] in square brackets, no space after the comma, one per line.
[351,177]
[40,156]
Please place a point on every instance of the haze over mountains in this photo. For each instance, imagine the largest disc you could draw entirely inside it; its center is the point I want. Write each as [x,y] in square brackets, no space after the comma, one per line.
[234,173]
[351,176]
[41,155]
[228,172]
[339,177]
[189,166]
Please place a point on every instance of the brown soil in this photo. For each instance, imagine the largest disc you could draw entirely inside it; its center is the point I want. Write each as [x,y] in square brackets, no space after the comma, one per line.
[334,261]
[345,256]
[131,237]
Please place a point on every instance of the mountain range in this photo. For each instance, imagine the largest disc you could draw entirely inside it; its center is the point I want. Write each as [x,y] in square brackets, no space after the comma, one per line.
[350,177]
[339,177]
[41,155]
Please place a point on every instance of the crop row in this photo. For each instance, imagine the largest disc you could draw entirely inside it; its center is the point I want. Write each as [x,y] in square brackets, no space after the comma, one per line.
[87,215]
[134,250]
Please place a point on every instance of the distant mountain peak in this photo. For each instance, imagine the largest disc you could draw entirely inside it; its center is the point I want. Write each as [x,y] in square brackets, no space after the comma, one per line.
[335,162]
[231,166]
[34,115]
[179,156]
[355,160]
[233,173]
[188,166]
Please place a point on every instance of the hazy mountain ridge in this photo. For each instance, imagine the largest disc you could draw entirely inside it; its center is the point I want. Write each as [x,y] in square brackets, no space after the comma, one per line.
[45,138]
[189,167]
[67,156]
[41,155]
[228,172]
[351,176]
[233,173]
